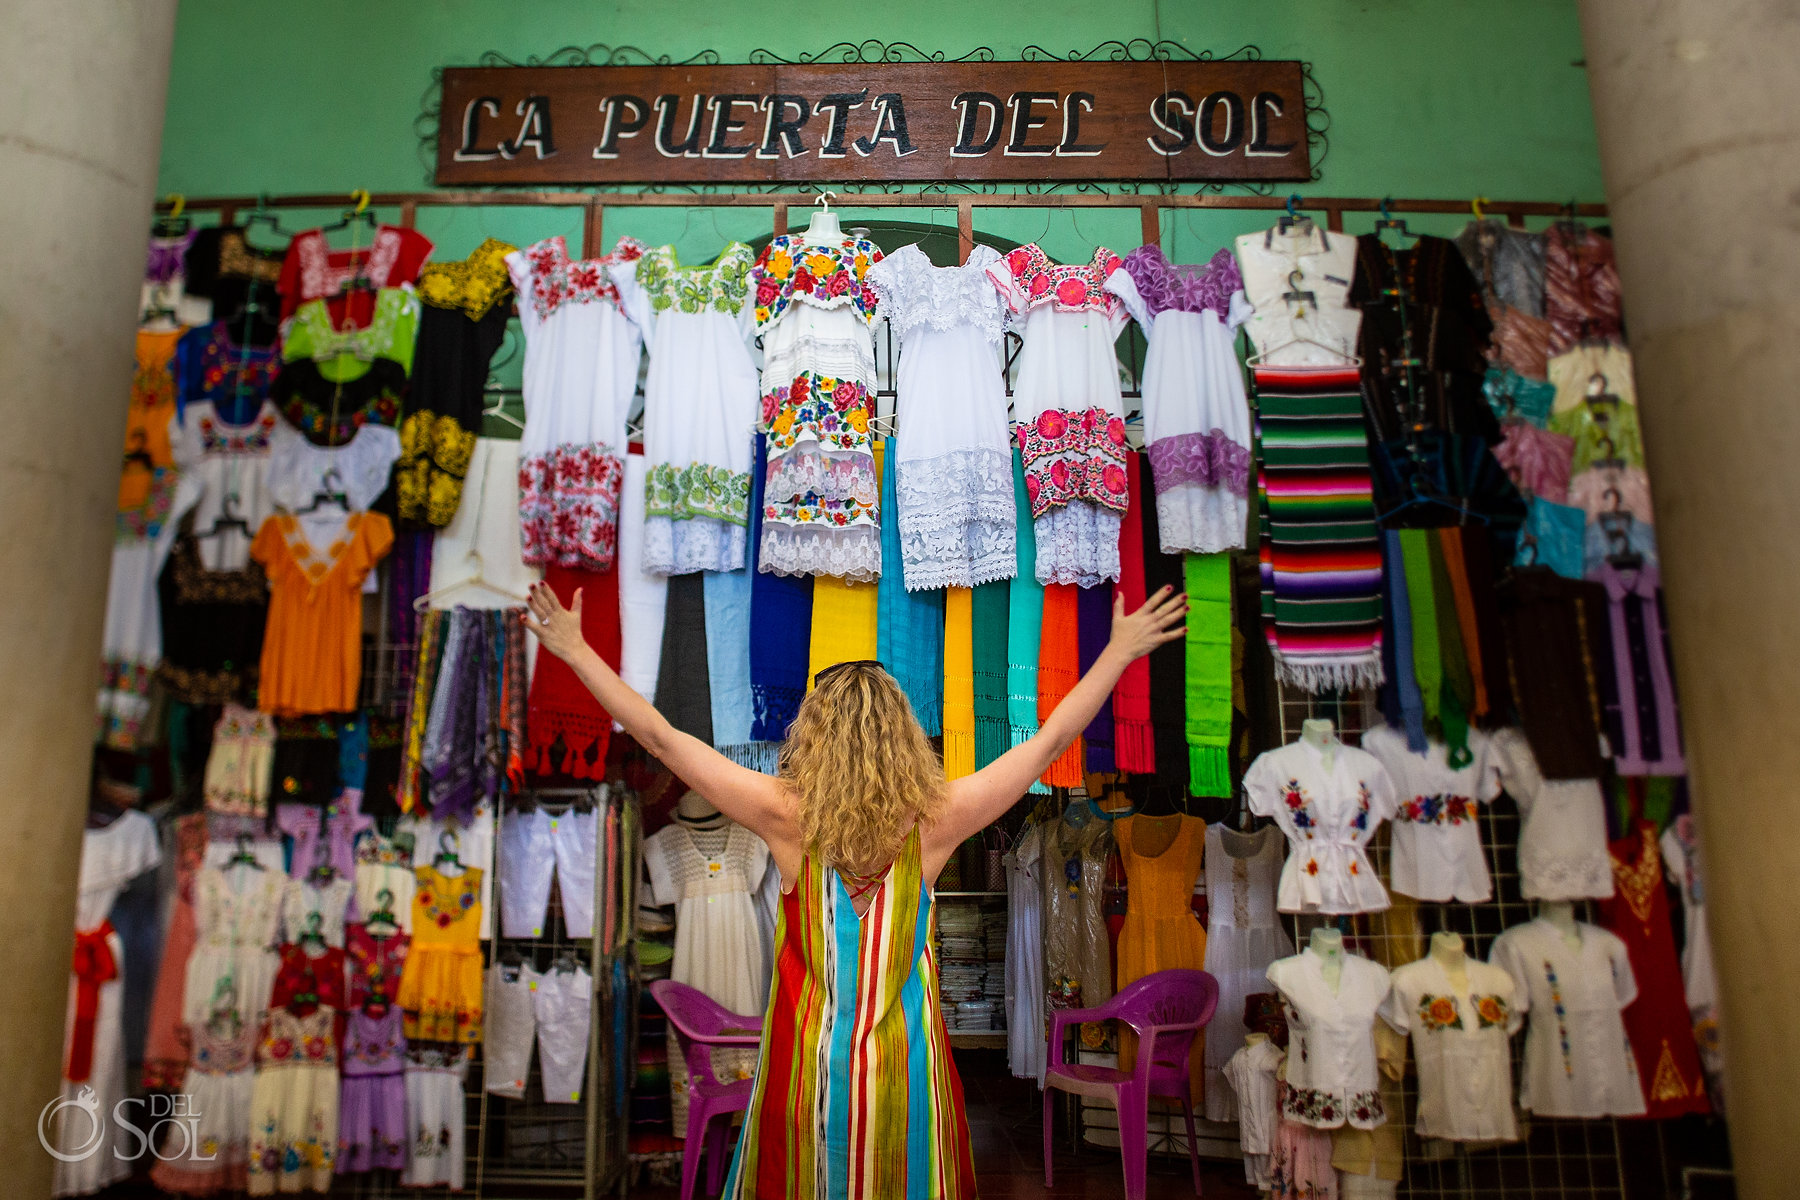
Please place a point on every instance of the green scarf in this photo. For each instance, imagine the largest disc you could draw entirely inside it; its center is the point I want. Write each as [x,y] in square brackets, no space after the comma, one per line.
[1427,665]
[1207,578]
[1025,619]
[1459,683]
[992,736]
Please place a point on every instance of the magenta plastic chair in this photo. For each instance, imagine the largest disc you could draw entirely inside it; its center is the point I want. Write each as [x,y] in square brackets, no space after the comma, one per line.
[1167,1009]
[701,1023]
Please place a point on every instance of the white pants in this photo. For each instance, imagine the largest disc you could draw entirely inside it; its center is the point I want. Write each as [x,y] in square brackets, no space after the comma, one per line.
[553,1009]
[534,846]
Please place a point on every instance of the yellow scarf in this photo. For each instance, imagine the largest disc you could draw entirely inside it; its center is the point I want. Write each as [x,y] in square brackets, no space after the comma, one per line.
[959,683]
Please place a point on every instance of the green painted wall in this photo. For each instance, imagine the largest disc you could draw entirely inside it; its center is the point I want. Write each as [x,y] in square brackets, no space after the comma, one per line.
[1434,98]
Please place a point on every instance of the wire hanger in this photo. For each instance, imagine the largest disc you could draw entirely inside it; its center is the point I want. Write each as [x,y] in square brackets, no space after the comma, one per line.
[327,494]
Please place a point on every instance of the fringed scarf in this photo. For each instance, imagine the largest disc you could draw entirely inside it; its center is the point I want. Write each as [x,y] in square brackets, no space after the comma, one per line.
[959,683]
[1421,600]
[1320,556]
[780,628]
[1168,662]
[1409,700]
[845,620]
[1459,687]
[1093,614]
[1207,580]
[993,736]
[411,791]
[728,670]
[561,706]
[643,597]
[466,740]
[1024,620]
[1134,744]
[512,694]
[683,691]
[909,638]
[1059,669]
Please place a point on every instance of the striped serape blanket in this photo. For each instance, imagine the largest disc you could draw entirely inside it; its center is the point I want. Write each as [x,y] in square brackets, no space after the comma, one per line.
[1319,550]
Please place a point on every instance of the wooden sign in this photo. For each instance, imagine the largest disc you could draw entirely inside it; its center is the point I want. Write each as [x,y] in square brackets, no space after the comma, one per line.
[818,122]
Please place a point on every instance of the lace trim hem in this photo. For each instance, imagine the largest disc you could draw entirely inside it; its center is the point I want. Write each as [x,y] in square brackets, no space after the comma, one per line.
[842,474]
[1079,544]
[697,544]
[1200,520]
[851,553]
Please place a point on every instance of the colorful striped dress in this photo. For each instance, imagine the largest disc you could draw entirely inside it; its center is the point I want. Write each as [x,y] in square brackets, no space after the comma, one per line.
[857,1097]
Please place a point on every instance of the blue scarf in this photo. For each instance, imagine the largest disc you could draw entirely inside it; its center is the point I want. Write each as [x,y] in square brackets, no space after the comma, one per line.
[909,636]
[780,628]
[1412,703]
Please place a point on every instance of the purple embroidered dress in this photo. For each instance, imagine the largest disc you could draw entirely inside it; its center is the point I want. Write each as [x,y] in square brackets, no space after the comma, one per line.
[372,1108]
[1196,419]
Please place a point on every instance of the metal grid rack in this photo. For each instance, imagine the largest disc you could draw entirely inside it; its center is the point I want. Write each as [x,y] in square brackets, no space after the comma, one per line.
[1556,1159]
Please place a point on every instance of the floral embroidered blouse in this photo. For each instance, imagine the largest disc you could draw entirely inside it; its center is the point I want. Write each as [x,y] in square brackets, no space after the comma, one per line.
[1329,815]
[719,286]
[474,285]
[447,908]
[1028,279]
[345,352]
[291,1041]
[312,270]
[1462,1043]
[790,270]
[213,366]
[1333,1078]
[1436,837]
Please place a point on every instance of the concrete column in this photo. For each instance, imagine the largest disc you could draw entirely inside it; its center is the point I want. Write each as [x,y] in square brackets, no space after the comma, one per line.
[82,85]
[1697,105]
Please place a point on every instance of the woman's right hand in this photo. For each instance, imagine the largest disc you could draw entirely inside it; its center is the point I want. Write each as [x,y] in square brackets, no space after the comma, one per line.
[1162,619]
[556,628]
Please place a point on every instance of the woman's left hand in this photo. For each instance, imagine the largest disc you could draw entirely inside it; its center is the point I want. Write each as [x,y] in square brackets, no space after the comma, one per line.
[1162,619]
[556,627]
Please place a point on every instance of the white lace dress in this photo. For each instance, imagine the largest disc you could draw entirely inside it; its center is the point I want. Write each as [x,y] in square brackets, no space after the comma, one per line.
[237,916]
[1243,936]
[821,502]
[700,407]
[953,453]
[583,323]
[1196,417]
[1071,419]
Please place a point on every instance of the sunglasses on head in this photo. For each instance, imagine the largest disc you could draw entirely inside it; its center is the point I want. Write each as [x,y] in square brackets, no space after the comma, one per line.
[834,668]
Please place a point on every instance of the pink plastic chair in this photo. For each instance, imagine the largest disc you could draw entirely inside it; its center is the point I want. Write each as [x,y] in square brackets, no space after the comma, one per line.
[701,1023]
[1167,1009]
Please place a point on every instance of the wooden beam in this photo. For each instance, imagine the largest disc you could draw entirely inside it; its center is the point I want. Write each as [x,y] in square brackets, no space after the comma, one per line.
[591,228]
[1150,216]
[965,231]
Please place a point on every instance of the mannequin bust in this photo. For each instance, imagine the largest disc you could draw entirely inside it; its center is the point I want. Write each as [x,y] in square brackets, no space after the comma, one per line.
[1319,733]
[1255,1039]
[823,229]
[1328,944]
[694,807]
[1561,915]
[1448,952]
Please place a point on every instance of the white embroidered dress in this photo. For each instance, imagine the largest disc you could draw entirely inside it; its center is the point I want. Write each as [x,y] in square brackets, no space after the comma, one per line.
[1243,936]
[1578,1061]
[1196,416]
[953,454]
[1462,1043]
[583,323]
[230,465]
[708,875]
[1562,827]
[1329,814]
[821,502]
[700,405]
[1071,419]
[1332,1075]
[1436,834]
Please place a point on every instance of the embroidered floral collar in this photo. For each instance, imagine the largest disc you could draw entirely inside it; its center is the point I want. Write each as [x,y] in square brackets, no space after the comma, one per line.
[1165,285]
[822,276]
[720,285]
[556,279]
[474,285]
[1037,280]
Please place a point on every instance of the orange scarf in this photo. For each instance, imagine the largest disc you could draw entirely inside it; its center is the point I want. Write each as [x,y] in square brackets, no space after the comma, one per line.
[1059,669]
[959,683]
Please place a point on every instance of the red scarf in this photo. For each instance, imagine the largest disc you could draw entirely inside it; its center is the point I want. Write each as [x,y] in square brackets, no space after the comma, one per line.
[93,964]
[1059,670]
[1134,744]
[561,705]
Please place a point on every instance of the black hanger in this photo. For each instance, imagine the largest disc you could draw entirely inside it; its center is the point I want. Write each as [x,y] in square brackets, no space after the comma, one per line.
[172,223]
[314,933]
[447,844]
[327,494]
[1389,222]
[361,213]
[565,963]
[245,856]
[383,914]
[136,451]
[1293,216]
[228,518]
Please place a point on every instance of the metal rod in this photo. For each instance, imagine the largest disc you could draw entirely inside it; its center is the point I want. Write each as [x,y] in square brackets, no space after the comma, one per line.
[1333,206]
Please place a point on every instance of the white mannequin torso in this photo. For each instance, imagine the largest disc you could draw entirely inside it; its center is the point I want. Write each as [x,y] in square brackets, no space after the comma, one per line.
[1328,944]
[1561,915]
[1320,733]
[1448,952]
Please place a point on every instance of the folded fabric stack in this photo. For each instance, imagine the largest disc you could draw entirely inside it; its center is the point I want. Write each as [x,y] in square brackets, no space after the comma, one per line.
[993,928]
[962,962]
[974,1015]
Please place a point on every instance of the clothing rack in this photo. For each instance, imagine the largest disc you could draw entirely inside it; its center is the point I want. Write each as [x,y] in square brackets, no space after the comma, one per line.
[1151,208]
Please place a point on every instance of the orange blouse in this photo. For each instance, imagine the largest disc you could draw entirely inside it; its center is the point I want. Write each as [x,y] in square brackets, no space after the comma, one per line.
[312,647]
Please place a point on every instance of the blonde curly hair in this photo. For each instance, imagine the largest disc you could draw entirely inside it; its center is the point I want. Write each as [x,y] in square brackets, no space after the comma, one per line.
[862,767]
